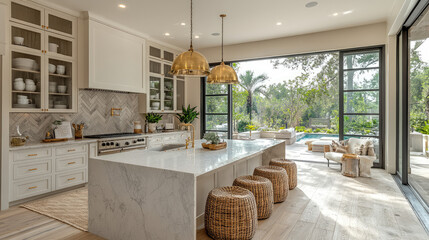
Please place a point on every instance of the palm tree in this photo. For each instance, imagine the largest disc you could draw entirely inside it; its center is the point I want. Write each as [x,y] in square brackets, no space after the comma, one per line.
[252,85]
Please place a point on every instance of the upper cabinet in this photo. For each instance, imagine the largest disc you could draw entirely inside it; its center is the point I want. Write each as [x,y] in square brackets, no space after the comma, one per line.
[165,92]
[37,16]
[43,61]
[112,59]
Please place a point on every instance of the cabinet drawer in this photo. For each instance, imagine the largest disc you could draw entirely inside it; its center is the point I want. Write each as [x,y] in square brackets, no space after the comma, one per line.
[32,187]
[32,154]
[73,162]
[68,150]
[33,168]
[69,179]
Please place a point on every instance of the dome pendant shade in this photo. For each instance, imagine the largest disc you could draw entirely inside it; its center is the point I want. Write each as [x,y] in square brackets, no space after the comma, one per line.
[190,63]
[222,74]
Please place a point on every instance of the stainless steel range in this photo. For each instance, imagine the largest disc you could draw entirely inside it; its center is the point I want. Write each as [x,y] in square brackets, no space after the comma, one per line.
[119,142]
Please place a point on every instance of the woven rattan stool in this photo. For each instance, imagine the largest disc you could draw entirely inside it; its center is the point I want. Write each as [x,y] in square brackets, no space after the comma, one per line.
[279,179]
[262,189]
[290,167]
[231,213]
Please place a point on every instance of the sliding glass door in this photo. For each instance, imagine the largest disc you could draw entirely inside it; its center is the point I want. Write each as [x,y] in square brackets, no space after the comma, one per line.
[361,95]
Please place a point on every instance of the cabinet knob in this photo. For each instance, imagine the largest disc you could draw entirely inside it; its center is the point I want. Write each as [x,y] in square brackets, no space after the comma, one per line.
[43,26]
[47,27]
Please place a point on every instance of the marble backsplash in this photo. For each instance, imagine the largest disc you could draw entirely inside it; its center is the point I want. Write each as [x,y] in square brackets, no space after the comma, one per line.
[94,111]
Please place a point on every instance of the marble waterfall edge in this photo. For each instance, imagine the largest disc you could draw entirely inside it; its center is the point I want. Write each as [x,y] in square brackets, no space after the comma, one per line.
[135,202]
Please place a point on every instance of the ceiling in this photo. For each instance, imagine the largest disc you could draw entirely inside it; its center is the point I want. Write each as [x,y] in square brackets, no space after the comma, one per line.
[246,21]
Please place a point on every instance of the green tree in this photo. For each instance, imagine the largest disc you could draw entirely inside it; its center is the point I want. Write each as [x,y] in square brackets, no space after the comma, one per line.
[252,85]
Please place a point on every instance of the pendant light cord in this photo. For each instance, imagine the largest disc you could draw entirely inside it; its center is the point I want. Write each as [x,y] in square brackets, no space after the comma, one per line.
[222,37]
[191,26]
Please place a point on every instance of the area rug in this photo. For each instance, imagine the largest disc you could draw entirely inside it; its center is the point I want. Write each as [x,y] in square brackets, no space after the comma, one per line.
[70,207]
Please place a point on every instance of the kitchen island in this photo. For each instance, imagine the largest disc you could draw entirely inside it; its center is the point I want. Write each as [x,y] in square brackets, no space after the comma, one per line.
[158,194]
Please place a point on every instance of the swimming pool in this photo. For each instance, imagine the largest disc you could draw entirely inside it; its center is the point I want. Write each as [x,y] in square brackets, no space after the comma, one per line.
[306,136]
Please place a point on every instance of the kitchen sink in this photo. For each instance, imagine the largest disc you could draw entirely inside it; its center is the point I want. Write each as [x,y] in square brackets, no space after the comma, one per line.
[170,147]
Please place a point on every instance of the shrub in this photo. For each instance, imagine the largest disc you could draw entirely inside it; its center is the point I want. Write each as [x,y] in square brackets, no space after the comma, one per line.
[318,130]
[308,130]
[241,126]
[330,131]
[300,128]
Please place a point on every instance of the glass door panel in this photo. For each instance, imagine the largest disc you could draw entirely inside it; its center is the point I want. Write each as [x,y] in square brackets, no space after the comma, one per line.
[26,38]
[168,56]
[155,93]
[29,15]
[27,81]
[60,23]
[180,94]
[60,84]
[360,97]
[155,67]
[168,94]
[60,46]
[154,52]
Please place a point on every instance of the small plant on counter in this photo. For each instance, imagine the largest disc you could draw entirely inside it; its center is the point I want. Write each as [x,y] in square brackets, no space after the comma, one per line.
[251,128]
[212,138]
[153,117]
[188,114]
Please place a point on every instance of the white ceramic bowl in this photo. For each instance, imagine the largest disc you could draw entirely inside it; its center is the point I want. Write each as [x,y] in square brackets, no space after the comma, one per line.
[23,101]
[62,88]
[30,87]
[52,83]
[18,86]
[61,69]
[22,97]
[52,68]
[53,47]
[23,63]
[155,104]
[29,81]
[18,80]
[36,66]
[18,40]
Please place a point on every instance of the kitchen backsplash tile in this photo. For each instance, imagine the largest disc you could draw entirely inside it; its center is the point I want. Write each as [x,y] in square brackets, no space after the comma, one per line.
[94,111]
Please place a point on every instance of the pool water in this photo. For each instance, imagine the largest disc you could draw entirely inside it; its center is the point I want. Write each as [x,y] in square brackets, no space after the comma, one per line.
[306,136]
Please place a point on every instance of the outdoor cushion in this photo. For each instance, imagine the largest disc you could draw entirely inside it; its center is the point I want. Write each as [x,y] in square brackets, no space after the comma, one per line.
[336,157]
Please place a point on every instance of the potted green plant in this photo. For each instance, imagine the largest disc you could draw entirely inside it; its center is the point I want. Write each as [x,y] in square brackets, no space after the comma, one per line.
[152,119]
[187,116]
[251,128]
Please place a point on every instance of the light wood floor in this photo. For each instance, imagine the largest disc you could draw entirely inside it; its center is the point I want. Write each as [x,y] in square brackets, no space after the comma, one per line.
[325,205]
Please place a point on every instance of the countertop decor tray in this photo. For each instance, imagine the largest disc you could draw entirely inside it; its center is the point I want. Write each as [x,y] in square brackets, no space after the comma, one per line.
[214,146]
[54,140]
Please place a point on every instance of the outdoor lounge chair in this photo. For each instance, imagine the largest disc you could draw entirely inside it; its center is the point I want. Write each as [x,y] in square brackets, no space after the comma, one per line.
[366,161]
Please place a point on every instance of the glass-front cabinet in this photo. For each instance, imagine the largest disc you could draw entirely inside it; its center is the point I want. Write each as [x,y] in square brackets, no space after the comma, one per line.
[163,95]
[43,59]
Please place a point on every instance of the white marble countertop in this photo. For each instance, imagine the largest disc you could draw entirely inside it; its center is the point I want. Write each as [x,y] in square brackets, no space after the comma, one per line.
[32,145]
[197,161]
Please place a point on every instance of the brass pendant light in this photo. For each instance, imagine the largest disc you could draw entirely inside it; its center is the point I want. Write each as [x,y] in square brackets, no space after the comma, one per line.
[222,74]
[190,63]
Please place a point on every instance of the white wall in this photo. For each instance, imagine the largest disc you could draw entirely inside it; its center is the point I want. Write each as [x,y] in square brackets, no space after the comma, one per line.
[193,97]
[367,35]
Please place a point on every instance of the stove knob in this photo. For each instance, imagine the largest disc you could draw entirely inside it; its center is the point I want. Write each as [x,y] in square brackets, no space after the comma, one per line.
[117,144]
[127,143]
[135,141]
[107,144]
[112,143]
[103,144]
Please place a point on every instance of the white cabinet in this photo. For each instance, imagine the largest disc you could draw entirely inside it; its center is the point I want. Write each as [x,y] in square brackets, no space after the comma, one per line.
[47,39]
[112,59]
[41,170]
[165,92]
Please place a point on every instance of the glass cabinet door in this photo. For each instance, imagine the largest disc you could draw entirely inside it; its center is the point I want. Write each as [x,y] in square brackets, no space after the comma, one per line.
[168,88]
[154,52]
[28,14]
[60,85]
[180,94]
[60,23]
[155,67]
[168,56]
[155,93]
[27,84]
[25,38]
[59,46]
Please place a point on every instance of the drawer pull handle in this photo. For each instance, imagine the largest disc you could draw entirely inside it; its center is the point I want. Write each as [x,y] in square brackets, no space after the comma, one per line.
[71,163]
[71,150]
[70,179]
[32,155]
[32,187]
[33,169]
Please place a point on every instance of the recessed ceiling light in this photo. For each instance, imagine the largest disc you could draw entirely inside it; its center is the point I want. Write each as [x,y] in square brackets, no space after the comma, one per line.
[197,36]
[279,23]
[347,12]
[215,34]
[311,4]
[335,14]
[122,5]
[183,24]
[167,34]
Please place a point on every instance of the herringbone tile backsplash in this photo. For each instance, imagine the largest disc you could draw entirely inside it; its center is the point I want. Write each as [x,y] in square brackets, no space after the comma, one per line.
[94,111]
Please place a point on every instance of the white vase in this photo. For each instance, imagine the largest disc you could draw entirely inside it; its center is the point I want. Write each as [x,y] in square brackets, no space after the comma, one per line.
[152,127]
